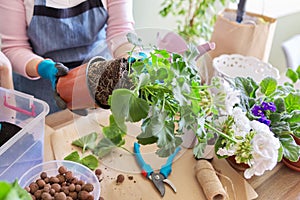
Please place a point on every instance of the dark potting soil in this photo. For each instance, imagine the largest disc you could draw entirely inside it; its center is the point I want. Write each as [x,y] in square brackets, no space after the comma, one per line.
[105,76]
[7,131]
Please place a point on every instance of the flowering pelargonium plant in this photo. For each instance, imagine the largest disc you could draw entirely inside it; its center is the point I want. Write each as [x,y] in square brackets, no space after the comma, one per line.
[261,120]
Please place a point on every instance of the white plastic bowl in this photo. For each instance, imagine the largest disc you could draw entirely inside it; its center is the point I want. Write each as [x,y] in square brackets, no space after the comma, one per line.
[51,168]
[235,65]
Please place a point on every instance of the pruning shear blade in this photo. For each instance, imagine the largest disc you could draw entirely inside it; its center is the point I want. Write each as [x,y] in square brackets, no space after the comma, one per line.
[158,179]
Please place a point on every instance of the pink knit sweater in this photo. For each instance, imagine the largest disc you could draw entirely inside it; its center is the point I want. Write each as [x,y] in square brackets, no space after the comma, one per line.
[15,16]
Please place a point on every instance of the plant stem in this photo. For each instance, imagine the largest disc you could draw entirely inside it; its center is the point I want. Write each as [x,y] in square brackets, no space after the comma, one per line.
[201,87]
[130,56]
[149,91]
[193,98]
[207,125]
[126,150]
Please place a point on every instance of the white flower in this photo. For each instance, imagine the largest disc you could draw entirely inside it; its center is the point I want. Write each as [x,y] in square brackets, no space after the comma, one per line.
[265,150]
[241,124]
[231,96]
[226,152]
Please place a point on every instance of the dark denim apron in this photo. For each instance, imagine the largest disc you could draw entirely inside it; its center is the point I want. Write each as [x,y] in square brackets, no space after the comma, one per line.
[71,36]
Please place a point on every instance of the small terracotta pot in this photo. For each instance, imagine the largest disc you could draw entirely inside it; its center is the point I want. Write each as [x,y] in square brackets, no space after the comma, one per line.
[293,165]
[238,166]
[75,88]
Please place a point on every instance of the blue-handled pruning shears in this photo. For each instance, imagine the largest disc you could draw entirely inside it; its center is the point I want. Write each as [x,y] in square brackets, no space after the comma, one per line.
[160,178]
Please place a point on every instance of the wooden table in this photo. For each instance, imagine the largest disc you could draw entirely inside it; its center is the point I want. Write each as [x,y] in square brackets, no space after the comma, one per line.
[281,183]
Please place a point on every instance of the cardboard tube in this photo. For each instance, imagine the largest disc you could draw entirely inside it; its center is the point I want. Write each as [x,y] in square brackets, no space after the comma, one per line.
[209,181]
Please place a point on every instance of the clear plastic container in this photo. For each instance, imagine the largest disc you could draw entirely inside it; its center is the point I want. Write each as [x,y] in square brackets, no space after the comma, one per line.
[51,168]
[26,148]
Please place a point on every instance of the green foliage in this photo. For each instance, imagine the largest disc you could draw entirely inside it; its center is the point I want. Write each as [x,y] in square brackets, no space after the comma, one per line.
[89,161]
[285,122]
[9,191]
[86,142]
[166,91]
[195,19]
[113,137]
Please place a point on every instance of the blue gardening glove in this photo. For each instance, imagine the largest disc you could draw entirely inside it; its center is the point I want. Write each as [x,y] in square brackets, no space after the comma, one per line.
[51,70]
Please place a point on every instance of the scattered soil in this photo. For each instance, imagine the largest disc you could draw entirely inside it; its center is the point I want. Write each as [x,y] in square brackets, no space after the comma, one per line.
[105,76]
[7,131]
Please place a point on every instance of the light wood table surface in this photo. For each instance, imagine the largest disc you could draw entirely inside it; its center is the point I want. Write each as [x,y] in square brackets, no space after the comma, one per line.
[281,183]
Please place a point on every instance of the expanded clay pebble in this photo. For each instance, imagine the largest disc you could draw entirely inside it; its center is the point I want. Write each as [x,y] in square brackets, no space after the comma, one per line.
[98,172]
[63,186]
[120,178]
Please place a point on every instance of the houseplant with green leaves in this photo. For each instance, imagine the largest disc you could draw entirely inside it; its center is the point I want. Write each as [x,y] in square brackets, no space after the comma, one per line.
[249,120]
[167,96]
[263,118]
[195,19]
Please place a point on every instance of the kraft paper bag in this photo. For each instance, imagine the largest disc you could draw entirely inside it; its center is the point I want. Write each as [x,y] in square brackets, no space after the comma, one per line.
[252,37]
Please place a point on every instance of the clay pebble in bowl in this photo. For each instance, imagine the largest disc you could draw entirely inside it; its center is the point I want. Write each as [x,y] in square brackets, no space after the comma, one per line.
[61,175]
[234,65]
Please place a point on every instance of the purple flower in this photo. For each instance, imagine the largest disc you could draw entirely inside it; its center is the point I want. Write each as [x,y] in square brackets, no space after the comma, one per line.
[258,111]
[268,106]
[264,120]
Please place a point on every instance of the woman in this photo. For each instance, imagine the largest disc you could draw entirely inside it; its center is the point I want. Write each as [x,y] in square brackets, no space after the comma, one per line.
[39,34]
[5,72]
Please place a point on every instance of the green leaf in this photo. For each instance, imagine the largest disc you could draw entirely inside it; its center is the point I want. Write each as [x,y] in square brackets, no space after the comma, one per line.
[280,127]
[294,117]
[86,142]
[280,105]
[292,102]
[161,127]
[268,86]
[246,85]
[280,153]
[5,188]
[143,80]
[292,75]
[291,150]
[113,130]
[298,71]
[22,194]
[104,147]
[13,191]
[180,87]
[138,110]
[133,39]
[169,148]
[125,105]
[146,137]
[199,150]
[138,67]
[90,161]
[74,156]
[162,52]
[162,73]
